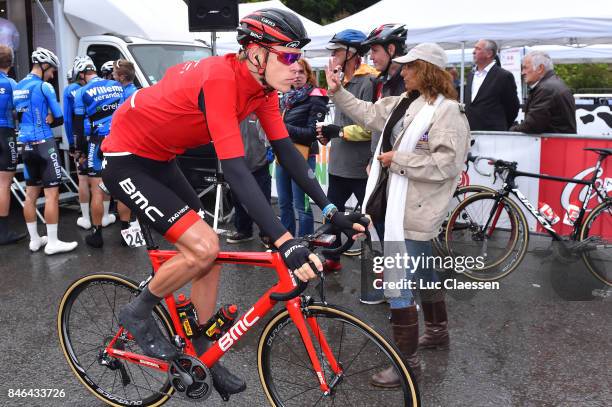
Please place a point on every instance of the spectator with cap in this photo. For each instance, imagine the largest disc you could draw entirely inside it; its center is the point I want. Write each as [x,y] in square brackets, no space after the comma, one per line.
[422,149]
[491,101]
[550,106]
[350,143]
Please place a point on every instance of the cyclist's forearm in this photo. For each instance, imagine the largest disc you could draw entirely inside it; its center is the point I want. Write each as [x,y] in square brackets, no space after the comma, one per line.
[246,189]
[292,161]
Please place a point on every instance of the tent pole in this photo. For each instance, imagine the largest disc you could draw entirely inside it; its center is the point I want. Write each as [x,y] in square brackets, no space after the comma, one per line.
[461,81]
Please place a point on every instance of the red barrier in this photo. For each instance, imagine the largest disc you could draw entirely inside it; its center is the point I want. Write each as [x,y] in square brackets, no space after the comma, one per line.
[565,157]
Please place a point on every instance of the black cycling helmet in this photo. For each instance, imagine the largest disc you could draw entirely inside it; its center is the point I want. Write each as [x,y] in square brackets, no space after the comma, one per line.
[272,26]
[350,39]
[389,34]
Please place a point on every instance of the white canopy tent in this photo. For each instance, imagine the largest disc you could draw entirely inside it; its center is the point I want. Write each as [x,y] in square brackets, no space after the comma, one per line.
[161,20]
[518,23]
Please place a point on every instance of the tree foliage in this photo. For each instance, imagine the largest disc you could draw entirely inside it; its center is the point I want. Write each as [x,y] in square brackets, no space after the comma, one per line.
[585,77]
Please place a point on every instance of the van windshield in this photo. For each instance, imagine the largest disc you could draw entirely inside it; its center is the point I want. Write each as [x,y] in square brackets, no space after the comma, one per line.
[154,59]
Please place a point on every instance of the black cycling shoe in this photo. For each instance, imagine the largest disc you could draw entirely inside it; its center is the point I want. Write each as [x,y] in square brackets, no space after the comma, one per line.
[147,335]
[225,382]
[10,237]
[95,239]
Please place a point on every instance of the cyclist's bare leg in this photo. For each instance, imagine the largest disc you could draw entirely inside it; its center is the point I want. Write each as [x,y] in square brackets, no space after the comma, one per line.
[198,248]
[204,293]
[51,205]
[29,207]
[6,178]
[124,212]
[97,196]
[97,210]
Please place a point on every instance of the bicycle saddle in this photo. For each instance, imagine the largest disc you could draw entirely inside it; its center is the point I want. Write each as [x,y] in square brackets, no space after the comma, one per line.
[602,151]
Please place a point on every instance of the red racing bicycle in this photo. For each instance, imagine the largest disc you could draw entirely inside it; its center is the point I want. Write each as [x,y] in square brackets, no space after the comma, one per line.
[310,353]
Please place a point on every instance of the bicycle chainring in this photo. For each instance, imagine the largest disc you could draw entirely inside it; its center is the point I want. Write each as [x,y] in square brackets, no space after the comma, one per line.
[186,368]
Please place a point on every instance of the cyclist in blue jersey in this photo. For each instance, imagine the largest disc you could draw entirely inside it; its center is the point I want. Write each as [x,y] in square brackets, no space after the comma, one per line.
[97,100]
[80,163]
[124,73]
[106,70]
[38,111]
[8,151]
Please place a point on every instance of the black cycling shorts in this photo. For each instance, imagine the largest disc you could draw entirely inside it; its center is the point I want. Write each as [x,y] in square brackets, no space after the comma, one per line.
[156,191]
[8,149]
[94,159]
[42,164]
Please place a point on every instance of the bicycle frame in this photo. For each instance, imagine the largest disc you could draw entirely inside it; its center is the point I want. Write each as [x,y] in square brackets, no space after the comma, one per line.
[510,186]
[243,324]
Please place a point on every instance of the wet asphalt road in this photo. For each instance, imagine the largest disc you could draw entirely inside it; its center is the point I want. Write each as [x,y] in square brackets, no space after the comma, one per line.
[527,344]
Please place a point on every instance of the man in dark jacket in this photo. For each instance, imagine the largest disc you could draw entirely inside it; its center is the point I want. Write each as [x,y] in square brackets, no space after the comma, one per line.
[550,104]
[491,101]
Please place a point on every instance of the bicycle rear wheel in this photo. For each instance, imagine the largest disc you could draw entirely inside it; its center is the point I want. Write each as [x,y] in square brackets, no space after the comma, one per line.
[87,322]
[288,378]
[460,195]
[596,232]
[499,249]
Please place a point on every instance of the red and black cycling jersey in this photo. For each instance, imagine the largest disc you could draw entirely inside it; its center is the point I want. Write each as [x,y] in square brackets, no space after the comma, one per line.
[194,103]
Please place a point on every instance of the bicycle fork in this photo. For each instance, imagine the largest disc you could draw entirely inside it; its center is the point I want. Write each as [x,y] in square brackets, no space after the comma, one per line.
[301,321]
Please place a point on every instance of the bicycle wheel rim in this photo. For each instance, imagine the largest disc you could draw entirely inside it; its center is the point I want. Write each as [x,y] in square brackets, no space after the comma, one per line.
[598,255]
[505,247]
[82,345]
[460,195]
[294,383]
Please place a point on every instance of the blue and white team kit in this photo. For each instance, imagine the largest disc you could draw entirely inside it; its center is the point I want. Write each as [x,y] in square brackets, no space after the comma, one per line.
[97,101]
[34,100]
[69,95]
[8,150]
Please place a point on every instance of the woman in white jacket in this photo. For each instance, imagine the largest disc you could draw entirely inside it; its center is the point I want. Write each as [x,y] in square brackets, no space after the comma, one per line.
[423,146]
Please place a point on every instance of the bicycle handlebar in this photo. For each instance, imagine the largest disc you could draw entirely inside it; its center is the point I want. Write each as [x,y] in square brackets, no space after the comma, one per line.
[499,165]
[311,241]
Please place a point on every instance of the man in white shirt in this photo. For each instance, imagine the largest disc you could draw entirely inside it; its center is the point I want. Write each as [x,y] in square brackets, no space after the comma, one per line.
[491,100]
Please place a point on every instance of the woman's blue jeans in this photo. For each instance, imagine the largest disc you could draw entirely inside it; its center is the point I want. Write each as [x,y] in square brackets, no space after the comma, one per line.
[292,198]
[416,248]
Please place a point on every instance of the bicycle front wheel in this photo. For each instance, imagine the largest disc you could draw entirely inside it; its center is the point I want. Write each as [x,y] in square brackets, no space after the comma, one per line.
[491,232]
[460,195]
[87,322]
[288,378]
[596,233]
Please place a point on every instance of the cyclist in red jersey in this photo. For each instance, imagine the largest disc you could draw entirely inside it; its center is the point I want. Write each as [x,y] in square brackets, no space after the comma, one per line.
[195,103]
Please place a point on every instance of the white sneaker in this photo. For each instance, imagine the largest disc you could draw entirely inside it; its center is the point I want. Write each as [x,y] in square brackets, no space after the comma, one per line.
[36,244]
[108,220]
[84,223]
[60,247]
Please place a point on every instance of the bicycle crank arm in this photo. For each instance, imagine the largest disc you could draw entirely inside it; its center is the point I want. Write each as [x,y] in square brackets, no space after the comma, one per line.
[184,376]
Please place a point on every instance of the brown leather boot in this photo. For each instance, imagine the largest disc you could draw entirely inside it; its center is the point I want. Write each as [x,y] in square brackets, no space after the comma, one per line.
[405,326]
[436,326]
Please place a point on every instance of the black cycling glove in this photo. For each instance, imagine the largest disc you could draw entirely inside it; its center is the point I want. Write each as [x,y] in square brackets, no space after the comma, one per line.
[331,131]
[344,222]
[294,253]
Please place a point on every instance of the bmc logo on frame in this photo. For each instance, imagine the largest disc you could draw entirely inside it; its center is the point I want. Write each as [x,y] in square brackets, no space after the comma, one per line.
[237,331]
